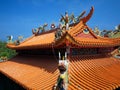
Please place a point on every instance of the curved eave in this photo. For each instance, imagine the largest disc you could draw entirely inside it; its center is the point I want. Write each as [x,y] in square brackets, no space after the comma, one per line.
[115,41]
[35,42]
[82,25]
[95,43]
[39,46]
[86,18]
[84,42]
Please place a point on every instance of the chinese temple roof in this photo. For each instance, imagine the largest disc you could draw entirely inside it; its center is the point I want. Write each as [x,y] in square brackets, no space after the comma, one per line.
[78,35]
[85,72]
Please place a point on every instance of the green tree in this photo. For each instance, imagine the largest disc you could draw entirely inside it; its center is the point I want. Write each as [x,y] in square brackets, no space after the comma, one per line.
[6,52]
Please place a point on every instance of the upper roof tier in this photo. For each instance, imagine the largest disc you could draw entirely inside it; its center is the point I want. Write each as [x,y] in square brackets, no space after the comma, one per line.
[78,35]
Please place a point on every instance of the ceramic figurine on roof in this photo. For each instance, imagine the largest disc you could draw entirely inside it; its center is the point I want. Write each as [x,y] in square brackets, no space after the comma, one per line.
[19,40]
[10,39]
[35,31]
[20,37]
[53,26]
[72,18]
[39,29]
[42,28]
[65,20]
[58,34]
[97,31]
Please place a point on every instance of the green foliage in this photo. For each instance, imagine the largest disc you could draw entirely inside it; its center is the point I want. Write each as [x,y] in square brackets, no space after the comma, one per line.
[6,52]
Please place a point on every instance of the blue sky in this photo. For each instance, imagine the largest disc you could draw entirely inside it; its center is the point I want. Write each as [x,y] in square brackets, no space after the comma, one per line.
[18,17]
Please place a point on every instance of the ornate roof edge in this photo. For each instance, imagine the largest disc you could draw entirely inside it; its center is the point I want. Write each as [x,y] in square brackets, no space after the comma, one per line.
[86,18]
[65,39]
[68,39]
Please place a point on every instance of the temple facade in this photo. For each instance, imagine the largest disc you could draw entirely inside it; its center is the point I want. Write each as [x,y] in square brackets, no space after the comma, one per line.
[92,65]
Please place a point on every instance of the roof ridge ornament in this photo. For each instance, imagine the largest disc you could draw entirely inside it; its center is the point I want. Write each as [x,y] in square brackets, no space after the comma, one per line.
[10,39]
[86,18]
[70,19]
[41,28]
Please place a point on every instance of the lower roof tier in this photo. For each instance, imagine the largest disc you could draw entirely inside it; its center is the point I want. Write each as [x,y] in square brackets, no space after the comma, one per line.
[94,73]
[85,72]
[31,72]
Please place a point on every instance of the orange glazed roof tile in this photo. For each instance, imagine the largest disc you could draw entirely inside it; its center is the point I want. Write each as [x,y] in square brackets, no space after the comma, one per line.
[32,72]
[39,41]
[94,73]
[85,72]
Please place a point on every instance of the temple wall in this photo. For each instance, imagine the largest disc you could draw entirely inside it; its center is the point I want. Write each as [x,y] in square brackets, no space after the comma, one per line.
[73,51]
[49,51]
[105,50]
[90,51]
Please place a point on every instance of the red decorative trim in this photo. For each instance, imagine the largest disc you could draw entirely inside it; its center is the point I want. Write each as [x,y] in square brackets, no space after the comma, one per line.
[83,35]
